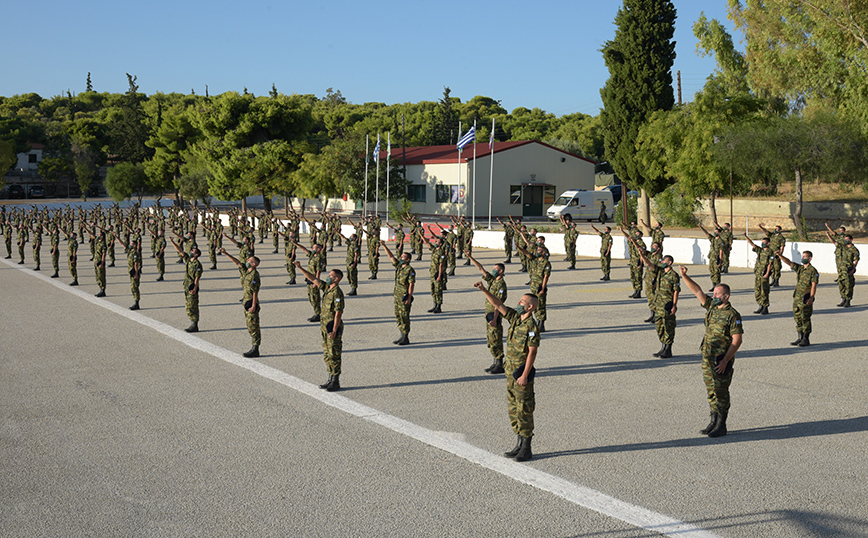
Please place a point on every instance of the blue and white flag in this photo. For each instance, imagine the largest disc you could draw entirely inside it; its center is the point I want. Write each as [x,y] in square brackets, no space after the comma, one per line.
[467,138]
[376,153]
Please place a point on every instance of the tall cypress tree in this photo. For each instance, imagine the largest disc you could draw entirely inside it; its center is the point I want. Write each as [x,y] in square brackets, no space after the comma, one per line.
[639,60]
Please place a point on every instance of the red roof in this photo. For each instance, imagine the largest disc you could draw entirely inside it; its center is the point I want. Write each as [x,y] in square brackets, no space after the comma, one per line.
[449,153]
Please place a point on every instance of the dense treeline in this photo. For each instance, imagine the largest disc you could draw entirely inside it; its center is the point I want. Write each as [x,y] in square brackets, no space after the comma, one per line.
[237,144]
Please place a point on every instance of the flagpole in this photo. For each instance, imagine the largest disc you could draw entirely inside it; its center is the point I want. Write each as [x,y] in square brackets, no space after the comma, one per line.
[473,211]
[491,174]
[459,169]
[388,157]
[367,157]
[377,180]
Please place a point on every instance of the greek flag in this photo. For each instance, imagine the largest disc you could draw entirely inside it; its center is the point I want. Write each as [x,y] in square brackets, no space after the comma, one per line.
[467,138]
[376,154]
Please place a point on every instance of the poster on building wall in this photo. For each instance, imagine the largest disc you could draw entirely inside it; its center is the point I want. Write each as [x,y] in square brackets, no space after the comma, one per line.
[457,194]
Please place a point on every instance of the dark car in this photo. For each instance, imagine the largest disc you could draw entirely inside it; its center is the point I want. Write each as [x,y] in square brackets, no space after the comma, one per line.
[37,191]
[16,191]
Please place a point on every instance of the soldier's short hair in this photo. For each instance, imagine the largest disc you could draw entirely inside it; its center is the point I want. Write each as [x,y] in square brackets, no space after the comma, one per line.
[669,258]
[338,273]
[809,253]
[500,267]
[848,236]
[725,288]
[534,300]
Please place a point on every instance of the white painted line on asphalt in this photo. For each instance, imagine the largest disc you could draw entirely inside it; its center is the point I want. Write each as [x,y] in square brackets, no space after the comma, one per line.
[574,493]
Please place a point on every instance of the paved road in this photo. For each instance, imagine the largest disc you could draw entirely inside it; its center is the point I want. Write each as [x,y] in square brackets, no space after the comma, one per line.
[118,424]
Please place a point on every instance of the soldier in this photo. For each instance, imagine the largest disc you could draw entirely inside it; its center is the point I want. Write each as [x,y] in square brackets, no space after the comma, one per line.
[22,240]
[723,337]
[315,266]
[192,274]
[160,252]
[520,244]
[715,254]
[777,241]
[468,237]
[636,267]
[418,235]
[331,323]
[522,345]
[761,269]
[727,238]
[507,240]
[72,253]
[250,284]
[373,234]
[405,283]
[605,251]
[651,262]
[134,265]
[449,241]
[37,244]
[838,239]
[354,256]
[666,305]
[849,260]
[99,254]
[571,235]
[399,238]
[656,233]
[493,319]
[540,271]
[603,215]
[54,239]
[438,271]
[807,278]
[7,232]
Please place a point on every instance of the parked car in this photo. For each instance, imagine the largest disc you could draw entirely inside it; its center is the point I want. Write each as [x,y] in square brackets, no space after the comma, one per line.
[37,191]
[616,192]
[580,204]
[16,191]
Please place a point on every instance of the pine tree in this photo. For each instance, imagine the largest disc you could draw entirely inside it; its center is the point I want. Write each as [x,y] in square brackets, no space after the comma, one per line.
[639,60]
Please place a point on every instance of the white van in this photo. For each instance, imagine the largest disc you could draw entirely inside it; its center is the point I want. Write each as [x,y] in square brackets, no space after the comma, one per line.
[582,205]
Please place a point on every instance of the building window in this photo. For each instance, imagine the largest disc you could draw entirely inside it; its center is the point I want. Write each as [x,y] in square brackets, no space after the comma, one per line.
[515,194]
[416,193]
[444,194]
[31,158]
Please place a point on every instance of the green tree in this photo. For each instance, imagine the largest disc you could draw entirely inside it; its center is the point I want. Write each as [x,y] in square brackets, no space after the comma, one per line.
[129,132]
[639,59]
[446,121]
[124,180]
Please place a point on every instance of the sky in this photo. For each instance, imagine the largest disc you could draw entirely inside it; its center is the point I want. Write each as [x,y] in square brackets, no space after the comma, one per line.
[534,55]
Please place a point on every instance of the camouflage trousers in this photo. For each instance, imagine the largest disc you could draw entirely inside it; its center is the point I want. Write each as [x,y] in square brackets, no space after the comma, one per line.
[161,264]
[650,288]
[73,268]
[571,252]
[716,386]
[36,257]
[100,275]
[353,275]
[761,290]
[402,315]
[111,252]
[191,304]
[521,402]
[523,259]
[275,241]
[8,245]
[134,287]
[636,271]
[450,260]
[373,262]
[21,251]
[212,254]
[399,247]
[605,263]
[665,325]
[724,260]
[846,282]
[253,327]
[714,270]
[494,336]
[437,289]
[290,268]
[536,289]
[313,295]
[776,269]
[55,260]
[802,314]
[331,350]
[507,246]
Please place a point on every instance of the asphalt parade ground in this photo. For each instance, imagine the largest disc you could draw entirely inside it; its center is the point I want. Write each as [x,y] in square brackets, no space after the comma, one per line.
[117,423]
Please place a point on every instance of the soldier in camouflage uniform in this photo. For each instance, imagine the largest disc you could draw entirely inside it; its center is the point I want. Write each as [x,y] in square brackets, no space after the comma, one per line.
[134,266]
[777,241]
[54,239]
[540,271]
[438,271]
[571,235]
[656,233]
[651,262]
[192,274]
[666,305]
[508,234]
[99,254]
[723,337]
[250,283]
[468,238]
[715,254]
[522,344]
[837,238]
[605,251]
[331,323]
[634,237]
[71,252]
[761,269]
[7,232]
[807,278]
[37,244]
[494,325]
[449,241]
[727,238]
[849,261]
[520,244]
[373,237]
[405,283]
[399,238]
[315,266]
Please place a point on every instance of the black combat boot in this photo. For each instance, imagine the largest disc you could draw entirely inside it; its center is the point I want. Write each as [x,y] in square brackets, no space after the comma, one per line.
[55,275]
[160,278]
[291,282]
[524,452]
[328,383]
[798,340]
[498,367]
[193,328]
[101,293]
[662,348]
[719,429]
[705,430]
[74,282]
[398,339]
[650,318]
[508,260]
[805,340]
[252,352]
[335,385]
[405,340]
[758,310]
[842,303]
[572,266]
[764,311]
[512,453]
[666,352]
[135,306]
[437,309]
[313,319]
[467,262]
[846,303]
[451,272]
[523,269]
[353,292]
[542,326]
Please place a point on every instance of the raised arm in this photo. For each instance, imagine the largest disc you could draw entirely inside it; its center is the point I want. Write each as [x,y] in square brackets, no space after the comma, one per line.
[693,286]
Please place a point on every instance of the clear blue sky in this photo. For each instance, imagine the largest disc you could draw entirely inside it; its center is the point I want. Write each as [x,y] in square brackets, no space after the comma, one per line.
[543,54]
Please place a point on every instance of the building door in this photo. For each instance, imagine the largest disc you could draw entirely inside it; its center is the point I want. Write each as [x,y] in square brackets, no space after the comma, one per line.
[532,201]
